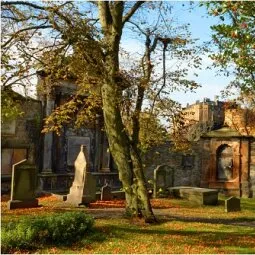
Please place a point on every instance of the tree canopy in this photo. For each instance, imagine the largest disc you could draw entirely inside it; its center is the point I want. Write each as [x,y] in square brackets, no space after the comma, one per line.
[234,37]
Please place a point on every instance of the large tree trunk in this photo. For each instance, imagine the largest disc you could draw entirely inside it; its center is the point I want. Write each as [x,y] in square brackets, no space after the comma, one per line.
[118,141]
[125,154]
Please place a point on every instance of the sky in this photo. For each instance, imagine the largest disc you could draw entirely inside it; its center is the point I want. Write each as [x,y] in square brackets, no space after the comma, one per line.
[211,81]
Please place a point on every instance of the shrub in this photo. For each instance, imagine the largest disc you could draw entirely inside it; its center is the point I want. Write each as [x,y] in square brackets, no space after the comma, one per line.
[58,229]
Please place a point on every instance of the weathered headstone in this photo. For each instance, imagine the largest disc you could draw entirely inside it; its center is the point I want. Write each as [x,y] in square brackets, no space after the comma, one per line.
[106,193]
[83,190]
[163,178]
[232,204]
[23,186]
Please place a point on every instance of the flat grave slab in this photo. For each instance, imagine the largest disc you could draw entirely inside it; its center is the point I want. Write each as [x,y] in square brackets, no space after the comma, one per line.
[200,196]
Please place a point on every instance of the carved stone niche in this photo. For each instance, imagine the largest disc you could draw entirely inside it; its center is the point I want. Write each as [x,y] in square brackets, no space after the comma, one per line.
[224,165]
[228,164]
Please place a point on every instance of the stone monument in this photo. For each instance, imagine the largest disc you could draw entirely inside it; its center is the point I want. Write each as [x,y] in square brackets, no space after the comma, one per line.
[83,190]
[23,186]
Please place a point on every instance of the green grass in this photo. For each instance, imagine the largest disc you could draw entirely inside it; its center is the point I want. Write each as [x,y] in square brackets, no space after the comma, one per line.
[118,236]
[182,228]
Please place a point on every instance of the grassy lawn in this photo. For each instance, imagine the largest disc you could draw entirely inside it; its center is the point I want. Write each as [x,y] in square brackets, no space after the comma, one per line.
[182,228]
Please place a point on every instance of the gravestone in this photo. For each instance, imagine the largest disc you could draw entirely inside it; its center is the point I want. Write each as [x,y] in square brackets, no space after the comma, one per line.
[83,190]
[23,186]
[106,193]
[163,178]
[232,204]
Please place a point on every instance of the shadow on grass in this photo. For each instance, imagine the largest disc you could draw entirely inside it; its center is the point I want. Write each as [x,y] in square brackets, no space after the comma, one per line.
[209,239]
[241,221]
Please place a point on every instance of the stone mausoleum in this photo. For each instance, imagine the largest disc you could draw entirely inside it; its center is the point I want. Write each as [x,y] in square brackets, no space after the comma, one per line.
[53,155]
[59,152]
[226,162]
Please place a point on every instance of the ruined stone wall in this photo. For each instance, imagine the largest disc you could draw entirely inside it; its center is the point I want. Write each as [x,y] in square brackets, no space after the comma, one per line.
[186,165]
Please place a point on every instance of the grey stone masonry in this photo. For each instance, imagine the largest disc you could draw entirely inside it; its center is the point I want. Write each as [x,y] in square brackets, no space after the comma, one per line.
[232,204]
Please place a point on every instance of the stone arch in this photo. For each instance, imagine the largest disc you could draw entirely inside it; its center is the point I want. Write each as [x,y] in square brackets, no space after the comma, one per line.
[224,161]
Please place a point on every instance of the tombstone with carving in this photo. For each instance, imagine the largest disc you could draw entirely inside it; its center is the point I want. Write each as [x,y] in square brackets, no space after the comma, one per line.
[163,179]
[23,186]
[83,190]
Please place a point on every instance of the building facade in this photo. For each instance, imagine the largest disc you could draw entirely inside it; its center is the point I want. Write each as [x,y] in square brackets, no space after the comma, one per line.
[205,112]
[60,151]
[20,138]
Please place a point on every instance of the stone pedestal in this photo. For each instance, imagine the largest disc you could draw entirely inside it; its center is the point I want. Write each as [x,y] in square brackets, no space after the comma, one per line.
[83,194]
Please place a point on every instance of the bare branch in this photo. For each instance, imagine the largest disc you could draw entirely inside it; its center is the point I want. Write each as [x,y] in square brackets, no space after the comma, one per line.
[138,27]
[17,80]
[23,3]
[132,11]
[19,19]
[23,30]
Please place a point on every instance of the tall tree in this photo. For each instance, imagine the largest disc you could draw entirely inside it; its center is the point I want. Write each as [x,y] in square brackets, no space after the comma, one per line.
[125,153]
[63,19]
[77,44]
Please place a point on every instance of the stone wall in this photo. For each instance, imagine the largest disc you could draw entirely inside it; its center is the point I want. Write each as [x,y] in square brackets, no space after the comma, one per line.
[195,168]
[187,166]
[20,139]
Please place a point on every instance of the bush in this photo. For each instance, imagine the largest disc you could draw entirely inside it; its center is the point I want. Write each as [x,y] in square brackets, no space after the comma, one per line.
[58,229]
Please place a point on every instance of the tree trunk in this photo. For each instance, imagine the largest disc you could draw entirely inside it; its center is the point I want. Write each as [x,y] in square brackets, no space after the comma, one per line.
[126,157]
[124,154]
[118,141]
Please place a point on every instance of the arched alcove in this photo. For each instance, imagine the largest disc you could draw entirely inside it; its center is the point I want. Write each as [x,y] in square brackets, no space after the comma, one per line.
[224,162]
